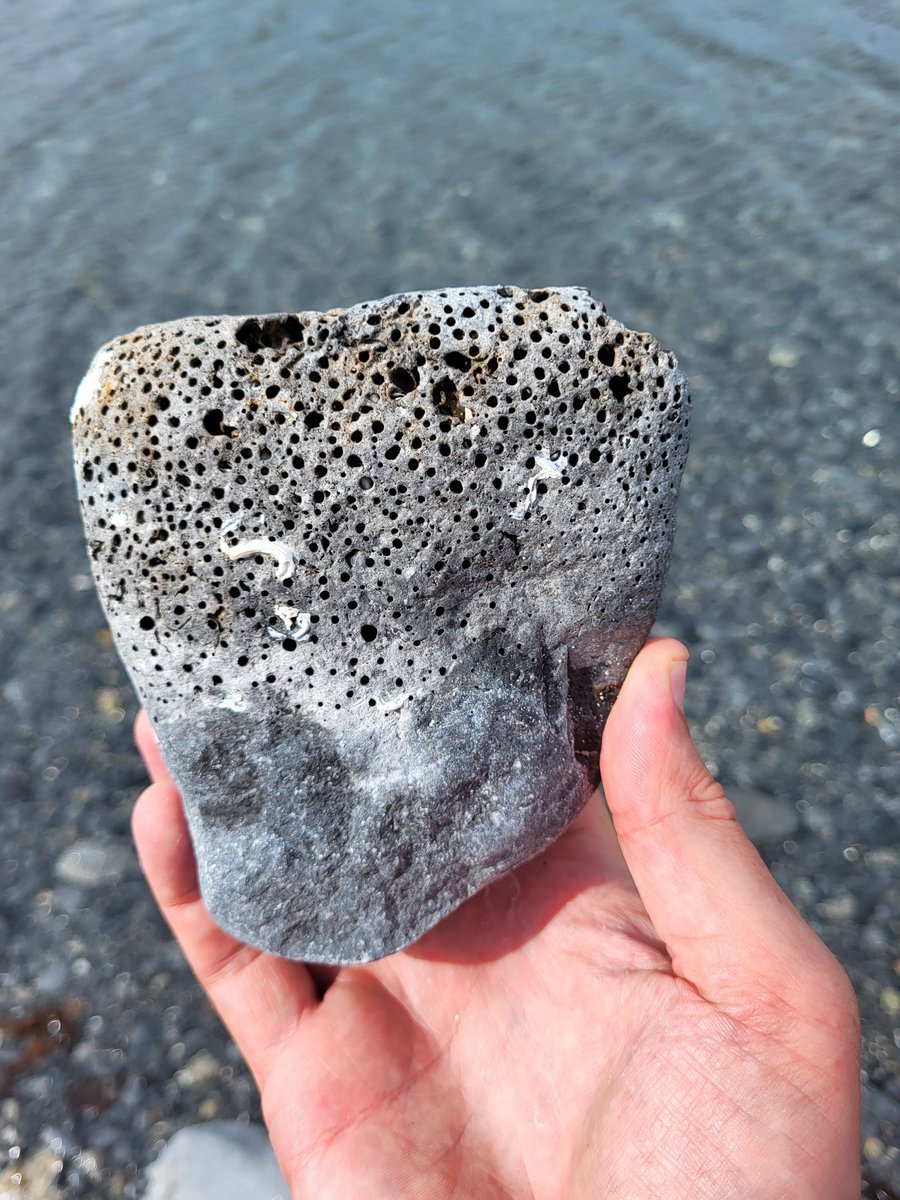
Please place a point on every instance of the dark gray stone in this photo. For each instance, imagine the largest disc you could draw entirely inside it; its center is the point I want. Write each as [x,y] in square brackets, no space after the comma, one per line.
[376,575]
[764,817]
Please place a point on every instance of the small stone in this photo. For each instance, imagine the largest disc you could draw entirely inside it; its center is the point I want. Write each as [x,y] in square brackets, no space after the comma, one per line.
[880,1105]
[764,817]
[52,978]
[224,1159]
[109,703]
[783,355]
[883,858]
[839,908]
[202,1068]
[890,1001]
[90,1162]
[769,725]
[33,1177]
[377,575]
[873,1148]
[95,862]
[875,939]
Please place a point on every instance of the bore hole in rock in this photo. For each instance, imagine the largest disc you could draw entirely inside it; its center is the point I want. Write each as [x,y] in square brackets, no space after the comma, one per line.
[459,362]
[271,332]
[369,633]
[445,396]
[213,423]
[403,380]
[618,385]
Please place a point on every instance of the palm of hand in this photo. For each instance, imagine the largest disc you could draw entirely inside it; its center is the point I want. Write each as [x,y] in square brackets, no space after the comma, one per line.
[577,1064]
[546,1040]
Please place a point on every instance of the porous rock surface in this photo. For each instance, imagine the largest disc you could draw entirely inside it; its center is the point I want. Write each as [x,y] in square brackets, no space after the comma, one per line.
[376,574]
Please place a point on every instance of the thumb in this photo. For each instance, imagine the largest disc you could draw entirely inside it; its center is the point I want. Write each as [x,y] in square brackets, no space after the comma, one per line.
[726,924]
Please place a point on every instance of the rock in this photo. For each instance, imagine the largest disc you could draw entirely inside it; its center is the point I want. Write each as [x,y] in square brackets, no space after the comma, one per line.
[765,818]
[884,858]
[880,1105]
[840,909]
[223,1159]
[202,1068]
[376,575]
[33,1177]
[52,978]
[95,862]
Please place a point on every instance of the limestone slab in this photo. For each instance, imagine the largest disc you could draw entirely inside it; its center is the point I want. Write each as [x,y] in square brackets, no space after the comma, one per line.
[376,575]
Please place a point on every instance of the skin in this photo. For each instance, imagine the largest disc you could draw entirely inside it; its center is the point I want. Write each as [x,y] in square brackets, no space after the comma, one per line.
[637,1013]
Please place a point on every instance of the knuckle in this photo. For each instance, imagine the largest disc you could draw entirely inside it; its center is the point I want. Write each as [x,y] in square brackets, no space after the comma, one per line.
[707,797]
[829,999]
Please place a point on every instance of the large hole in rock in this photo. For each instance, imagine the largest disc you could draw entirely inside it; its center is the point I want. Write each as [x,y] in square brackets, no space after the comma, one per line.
[459,362]
[214,423]
[618,385]
[404,381]
[272,332]
[445,396]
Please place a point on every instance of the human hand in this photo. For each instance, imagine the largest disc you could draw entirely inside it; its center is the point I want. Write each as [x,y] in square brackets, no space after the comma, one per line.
[635,1018]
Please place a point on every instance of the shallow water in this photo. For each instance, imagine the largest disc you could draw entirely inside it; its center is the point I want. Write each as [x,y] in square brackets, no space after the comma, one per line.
[722,173]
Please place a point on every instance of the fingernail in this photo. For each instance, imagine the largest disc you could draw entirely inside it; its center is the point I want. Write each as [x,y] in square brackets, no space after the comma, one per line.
[678,680]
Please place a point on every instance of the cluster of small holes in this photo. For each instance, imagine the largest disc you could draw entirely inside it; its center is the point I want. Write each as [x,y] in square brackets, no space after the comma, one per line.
[387,448]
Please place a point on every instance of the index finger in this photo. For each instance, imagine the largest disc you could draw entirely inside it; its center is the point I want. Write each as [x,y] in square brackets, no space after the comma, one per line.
[147,744]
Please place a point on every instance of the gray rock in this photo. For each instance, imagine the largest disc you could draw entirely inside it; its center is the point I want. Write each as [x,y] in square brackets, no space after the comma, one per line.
[880,1104]
[840,909]
[764,817]
[376,575]
[95,862]
[884,859]
[223,1159]
[52,978]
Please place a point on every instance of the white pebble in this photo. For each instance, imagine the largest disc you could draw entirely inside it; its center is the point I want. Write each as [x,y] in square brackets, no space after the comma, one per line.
[224,1159]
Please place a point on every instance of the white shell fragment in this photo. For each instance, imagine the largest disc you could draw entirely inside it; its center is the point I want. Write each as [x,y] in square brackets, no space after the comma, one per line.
[283,555]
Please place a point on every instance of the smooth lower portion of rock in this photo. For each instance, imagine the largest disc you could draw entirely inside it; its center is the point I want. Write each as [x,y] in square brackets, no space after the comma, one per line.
[356,844]
[376,575]
[224,1160]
